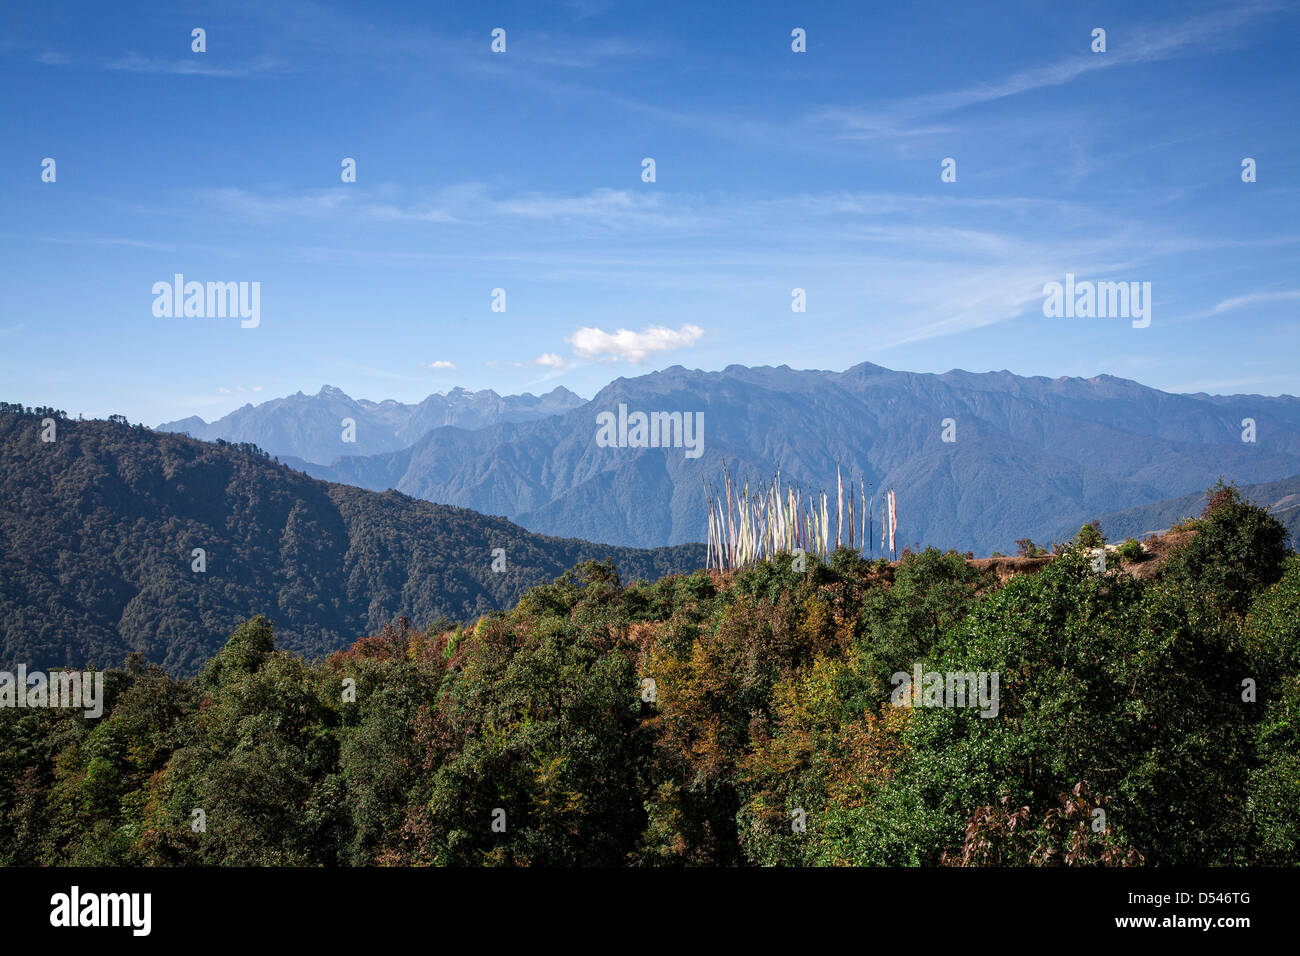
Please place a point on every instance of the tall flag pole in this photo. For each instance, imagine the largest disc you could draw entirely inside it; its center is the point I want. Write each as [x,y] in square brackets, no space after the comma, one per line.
[826,525]
[851,516]
[708,547]
[893,524]
[839,505]
[884,525]
[862,536]
[731,536]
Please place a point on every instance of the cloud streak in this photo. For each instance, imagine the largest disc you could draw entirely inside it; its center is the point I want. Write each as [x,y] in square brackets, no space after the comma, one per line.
[199,66]
[1152,44]
[1254,298]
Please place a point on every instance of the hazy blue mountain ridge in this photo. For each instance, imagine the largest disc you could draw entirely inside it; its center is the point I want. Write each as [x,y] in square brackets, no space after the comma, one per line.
[1032,454]
[310,428]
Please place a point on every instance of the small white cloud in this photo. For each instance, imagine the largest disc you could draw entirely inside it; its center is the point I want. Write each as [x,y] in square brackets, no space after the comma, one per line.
[443,366]
[546,360]
[631,346]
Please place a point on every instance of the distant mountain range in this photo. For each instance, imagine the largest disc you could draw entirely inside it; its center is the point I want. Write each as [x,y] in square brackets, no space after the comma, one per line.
[100,529]
[311,428]
[100,526]
[1030,455]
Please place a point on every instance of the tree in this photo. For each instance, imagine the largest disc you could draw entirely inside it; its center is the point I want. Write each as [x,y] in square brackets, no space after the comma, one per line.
[1090,535]
[1237,550]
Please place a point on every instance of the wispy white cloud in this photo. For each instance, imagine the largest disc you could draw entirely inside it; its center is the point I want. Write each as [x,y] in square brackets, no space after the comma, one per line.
[918,267]
[851,123]
[442,365]
[612,208]
[417,213]
[198,66]
[245,203]
[470,203]
[336,201]
[896,216]
[579,52]
[109,241]
[907,117]
[588,8]
[1254,298]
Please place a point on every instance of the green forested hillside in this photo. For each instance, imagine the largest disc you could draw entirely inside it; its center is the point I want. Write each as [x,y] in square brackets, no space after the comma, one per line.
[98,530]
[746,719]
[1282,498]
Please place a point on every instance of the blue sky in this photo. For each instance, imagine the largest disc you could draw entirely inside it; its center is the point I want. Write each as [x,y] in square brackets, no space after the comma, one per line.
[522,170]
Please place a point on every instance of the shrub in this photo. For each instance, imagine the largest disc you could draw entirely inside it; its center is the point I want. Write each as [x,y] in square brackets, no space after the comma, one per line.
[1131,550]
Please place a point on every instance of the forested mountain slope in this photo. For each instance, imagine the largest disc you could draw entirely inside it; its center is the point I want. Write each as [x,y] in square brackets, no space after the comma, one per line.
[98,531]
